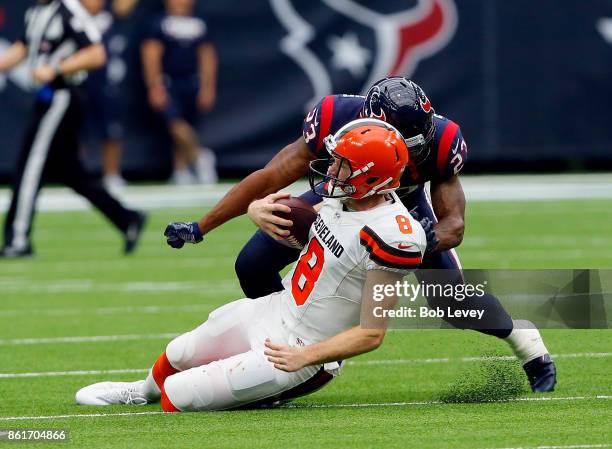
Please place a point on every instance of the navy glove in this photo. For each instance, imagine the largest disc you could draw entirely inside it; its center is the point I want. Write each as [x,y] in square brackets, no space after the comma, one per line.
[178,233]
[430,233]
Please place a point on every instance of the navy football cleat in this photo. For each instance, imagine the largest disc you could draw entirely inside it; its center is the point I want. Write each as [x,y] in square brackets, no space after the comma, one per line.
[542,374]
[134,232]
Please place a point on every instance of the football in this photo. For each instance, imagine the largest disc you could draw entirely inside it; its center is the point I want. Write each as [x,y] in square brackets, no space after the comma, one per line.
[302,215]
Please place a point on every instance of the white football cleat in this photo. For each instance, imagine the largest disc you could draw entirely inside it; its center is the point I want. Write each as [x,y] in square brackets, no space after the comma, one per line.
[112,393]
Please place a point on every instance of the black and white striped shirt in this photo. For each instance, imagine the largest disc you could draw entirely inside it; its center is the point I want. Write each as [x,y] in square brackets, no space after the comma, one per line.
[55,30]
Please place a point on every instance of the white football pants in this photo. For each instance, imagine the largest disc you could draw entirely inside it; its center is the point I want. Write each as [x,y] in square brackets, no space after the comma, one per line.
[221,362]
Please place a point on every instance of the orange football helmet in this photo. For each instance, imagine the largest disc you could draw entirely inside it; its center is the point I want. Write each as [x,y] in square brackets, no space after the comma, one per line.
[367,157]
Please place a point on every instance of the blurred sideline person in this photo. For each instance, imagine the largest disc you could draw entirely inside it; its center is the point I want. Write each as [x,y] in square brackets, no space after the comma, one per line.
[180,70]
[61,44]
[285,345]
[101,90]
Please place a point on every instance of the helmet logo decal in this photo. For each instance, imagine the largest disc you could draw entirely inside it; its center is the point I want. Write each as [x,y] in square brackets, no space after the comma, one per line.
[423,100]
[374,104]
[425,105]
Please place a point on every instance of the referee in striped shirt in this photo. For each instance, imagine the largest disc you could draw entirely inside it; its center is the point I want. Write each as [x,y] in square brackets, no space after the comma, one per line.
[61,44]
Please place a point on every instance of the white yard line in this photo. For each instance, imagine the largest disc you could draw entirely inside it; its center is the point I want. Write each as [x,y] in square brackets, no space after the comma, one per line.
[477,188]
[303,406]
[74,373]
[401,404]
[88,285]
[473,359]
[76,415]
[356,363]
[145,310]
[85,339]
[571,446]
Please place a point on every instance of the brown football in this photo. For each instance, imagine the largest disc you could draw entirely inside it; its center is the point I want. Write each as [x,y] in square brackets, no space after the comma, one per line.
[302,215]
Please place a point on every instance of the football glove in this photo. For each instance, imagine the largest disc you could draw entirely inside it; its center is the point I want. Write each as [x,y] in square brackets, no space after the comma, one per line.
[430,233]
[179,232]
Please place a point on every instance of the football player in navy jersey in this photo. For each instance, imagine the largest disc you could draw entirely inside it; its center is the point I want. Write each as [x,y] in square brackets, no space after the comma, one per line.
[180,69]
[437,154]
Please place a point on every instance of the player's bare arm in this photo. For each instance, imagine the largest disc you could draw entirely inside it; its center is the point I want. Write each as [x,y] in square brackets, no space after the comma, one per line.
[350,343]
[207,62]
[289,165]
[151,53]
[449,206]
[88,58]
[13,56]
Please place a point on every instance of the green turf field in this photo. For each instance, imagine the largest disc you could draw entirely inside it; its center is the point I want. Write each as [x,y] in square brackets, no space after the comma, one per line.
[80,286]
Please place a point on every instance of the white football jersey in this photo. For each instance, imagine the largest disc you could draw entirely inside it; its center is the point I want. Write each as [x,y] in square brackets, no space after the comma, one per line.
[322,295]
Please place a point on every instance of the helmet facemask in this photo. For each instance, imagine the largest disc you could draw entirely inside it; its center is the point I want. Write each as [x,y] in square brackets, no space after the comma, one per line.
[331,178]
[419,145]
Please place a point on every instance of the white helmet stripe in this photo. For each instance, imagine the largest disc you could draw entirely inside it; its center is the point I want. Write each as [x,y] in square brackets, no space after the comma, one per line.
[363,169]
[377,188]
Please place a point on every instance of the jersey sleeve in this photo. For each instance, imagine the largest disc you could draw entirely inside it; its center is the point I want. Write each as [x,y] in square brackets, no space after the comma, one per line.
[452,152]
[152,29]
[79,24]
[207,35]
[398,250]
[317,124]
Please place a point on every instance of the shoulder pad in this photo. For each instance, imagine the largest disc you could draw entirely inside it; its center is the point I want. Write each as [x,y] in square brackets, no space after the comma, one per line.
[451,150]
[394,242]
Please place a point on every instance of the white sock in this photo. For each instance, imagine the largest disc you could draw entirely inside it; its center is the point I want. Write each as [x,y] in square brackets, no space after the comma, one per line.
[204,167]
[182,177]
[150,389]
[526,341]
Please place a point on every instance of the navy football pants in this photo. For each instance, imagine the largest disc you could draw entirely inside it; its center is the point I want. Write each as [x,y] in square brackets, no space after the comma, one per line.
[259,279]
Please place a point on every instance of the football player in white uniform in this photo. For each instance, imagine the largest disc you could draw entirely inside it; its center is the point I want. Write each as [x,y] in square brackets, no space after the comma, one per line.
[287,344]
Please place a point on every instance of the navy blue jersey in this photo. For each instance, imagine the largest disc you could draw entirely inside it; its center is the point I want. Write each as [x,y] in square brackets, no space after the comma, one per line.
[181,36]
[446,157]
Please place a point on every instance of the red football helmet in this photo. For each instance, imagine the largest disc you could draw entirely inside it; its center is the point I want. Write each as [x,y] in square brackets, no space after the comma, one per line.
[368,157]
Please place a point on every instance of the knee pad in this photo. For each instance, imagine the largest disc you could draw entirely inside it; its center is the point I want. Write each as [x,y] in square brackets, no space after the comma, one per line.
[190,390]
[180,350]
[225,384]
[220,385]
[252,377]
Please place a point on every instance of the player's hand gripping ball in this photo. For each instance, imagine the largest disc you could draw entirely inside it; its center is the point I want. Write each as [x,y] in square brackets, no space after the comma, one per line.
[285,219]
[303,215]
